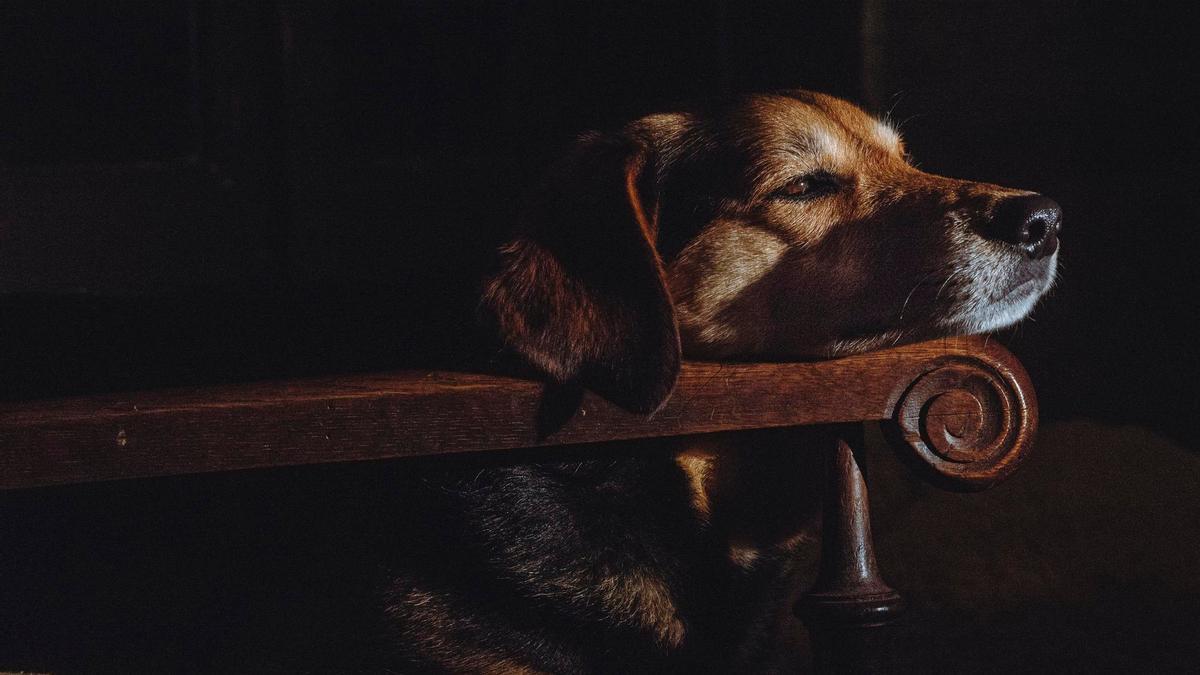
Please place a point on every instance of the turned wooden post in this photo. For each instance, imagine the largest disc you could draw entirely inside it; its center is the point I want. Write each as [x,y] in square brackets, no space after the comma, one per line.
[849,598]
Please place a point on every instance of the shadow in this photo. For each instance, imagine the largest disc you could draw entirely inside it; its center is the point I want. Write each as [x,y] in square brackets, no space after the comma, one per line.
[558,405]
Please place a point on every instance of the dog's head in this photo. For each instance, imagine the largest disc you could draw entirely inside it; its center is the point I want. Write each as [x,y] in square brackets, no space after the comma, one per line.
[787,225]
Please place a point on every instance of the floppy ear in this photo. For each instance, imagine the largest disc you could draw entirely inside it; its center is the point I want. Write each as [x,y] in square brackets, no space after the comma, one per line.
[581,292]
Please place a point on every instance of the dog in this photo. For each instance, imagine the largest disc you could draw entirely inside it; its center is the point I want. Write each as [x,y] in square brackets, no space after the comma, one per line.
[789,225]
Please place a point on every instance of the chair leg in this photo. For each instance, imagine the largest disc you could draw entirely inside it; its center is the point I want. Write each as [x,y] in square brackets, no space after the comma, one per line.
[849,601]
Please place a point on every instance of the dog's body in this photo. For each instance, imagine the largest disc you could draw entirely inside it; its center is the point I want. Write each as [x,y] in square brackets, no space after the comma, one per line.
[787,225]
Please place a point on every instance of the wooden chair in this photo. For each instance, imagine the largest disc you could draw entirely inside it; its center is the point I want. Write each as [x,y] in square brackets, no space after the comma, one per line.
[961,411]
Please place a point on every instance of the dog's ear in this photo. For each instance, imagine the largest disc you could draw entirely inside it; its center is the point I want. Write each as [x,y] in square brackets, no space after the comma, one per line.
[581,292]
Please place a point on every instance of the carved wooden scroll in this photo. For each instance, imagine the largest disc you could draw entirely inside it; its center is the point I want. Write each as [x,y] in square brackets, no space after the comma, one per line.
[969,420]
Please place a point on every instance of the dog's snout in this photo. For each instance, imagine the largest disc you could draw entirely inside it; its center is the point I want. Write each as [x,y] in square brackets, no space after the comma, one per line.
[1031,223]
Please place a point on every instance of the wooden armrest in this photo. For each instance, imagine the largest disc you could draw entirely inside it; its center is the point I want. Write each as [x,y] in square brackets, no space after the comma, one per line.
[962,406]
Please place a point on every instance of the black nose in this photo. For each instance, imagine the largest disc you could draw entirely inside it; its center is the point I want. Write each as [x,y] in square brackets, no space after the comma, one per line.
[1031,223]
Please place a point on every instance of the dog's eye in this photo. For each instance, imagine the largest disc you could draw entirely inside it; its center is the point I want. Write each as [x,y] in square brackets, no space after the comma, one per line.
[807,187]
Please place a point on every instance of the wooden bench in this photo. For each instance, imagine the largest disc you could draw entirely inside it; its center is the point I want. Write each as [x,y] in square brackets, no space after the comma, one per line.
[960,410]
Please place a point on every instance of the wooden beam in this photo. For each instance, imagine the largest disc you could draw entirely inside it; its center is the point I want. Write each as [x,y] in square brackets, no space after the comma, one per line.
[412,413]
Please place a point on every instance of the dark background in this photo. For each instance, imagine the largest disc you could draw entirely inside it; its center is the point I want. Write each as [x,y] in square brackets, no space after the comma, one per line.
[160,148]
[156,151]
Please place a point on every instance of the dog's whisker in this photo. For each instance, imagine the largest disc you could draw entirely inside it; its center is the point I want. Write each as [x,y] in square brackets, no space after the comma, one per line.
[945,283]
[910,293]
[900,126]
[897,99]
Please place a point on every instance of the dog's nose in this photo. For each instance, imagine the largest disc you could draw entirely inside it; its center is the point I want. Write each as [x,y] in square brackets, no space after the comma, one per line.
[1031,223]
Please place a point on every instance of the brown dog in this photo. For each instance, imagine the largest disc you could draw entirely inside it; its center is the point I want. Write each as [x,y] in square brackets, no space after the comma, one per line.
[788,225]
[784,225]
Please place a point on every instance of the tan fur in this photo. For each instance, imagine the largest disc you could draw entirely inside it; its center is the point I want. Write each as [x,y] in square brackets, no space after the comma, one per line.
[431,621]
[643,599]
[697,465]
[721,267]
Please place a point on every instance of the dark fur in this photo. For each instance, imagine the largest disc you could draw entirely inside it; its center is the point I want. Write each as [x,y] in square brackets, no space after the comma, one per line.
[558,567]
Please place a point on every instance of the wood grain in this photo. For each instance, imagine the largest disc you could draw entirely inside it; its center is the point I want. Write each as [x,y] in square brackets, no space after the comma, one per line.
[402,414]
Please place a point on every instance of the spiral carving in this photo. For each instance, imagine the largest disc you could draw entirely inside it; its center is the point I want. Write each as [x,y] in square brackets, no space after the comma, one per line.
[967,422]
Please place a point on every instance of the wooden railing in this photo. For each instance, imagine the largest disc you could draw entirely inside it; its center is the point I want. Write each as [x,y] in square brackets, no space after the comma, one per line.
[960,410]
